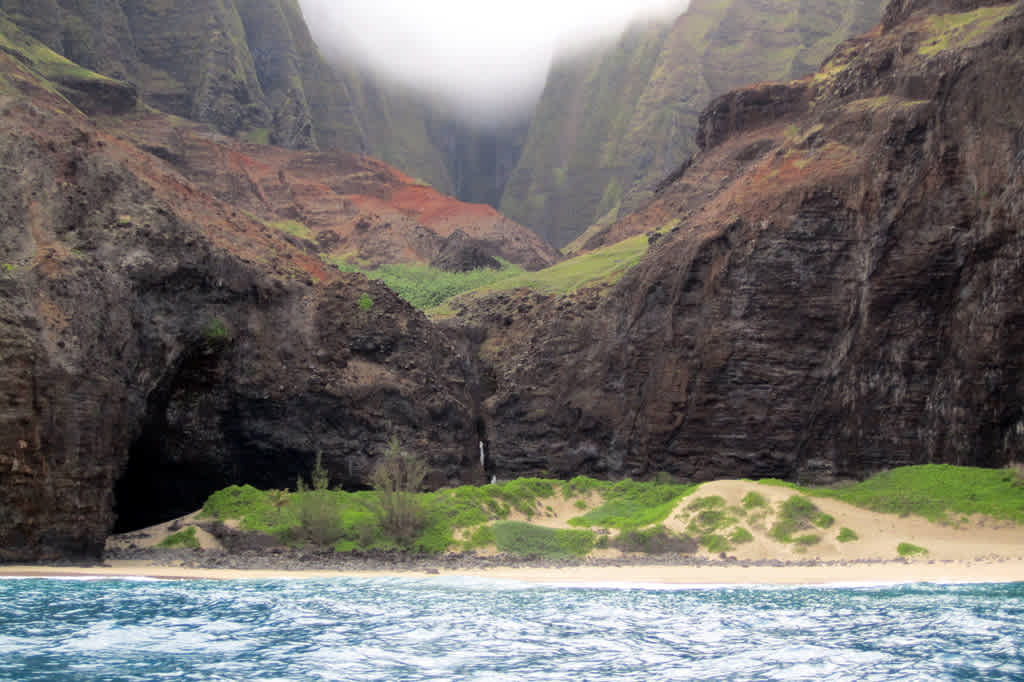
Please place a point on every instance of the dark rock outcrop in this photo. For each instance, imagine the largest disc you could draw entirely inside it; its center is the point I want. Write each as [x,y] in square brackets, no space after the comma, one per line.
[460,253]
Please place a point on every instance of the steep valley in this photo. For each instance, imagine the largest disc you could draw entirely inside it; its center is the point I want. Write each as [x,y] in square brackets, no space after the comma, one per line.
[827,289]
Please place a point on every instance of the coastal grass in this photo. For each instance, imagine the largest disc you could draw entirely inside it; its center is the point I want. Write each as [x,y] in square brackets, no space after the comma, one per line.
[938,492]
[632,504]
[525,539]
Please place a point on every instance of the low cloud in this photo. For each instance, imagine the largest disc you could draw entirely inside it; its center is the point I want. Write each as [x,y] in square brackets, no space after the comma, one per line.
[488,60]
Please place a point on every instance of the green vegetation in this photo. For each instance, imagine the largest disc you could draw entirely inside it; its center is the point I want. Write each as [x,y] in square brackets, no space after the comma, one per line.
[527,539]
[47,63]
[846,535]
[216,329]
[365,302]
[424,286]
[257,136]
[740,535]
[753,500]
[714,542]
[710,502]
[934,491]
[604,265]
[292,227]
[183,538]
[398,517]
[654,540]
[397,478]
[906,549]
[796,514]
[823,520]
[8,267]
[482,536]
[631,504]
[957,30]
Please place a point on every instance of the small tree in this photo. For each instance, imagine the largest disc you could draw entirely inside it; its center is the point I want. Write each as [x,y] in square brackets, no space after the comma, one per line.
[320,478]
[397,478]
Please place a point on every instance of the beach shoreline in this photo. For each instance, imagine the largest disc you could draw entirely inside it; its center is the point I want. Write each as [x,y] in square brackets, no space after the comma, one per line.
[1000,570]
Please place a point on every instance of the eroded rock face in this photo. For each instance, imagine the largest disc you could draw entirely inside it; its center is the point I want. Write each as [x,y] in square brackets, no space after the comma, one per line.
[158,344]
[839,294]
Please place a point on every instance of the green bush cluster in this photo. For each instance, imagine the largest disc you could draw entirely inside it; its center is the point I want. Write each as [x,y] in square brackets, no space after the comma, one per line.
[525,539]
[796,514]
[846,535]
[907,549]
[183,538]
[631,504]
[654,540]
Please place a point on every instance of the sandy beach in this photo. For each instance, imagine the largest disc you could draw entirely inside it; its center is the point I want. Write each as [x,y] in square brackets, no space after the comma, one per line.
[991,571]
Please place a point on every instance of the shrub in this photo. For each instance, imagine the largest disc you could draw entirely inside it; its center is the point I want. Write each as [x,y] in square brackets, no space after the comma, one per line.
[714,543]
[654,540]
[215,330]
[710,502]
[480,537]
[846,535]
[365,302]
[183,538]
[906,549]
[319,516]
[396,479]
[524,493]
[798,513]
[823,520]
[526,539]
[740,535]
[754,499]
[319,477]
[583,485]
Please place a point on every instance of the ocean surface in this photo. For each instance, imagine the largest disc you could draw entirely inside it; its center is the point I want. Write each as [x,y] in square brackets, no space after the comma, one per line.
[466,629]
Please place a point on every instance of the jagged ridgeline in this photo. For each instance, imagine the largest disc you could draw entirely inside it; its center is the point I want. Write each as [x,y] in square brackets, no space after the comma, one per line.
[614,122]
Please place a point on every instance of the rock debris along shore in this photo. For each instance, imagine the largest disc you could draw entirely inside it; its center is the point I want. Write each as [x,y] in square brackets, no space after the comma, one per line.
[305,560]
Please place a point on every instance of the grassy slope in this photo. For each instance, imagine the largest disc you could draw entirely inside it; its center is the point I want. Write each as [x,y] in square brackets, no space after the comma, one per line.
[937,492]
[631,513]
[427,287]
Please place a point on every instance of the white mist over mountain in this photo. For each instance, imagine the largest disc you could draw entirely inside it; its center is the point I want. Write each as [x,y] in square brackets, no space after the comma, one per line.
[487,60]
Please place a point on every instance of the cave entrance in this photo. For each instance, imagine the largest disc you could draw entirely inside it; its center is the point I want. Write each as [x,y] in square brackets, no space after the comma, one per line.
[153,488]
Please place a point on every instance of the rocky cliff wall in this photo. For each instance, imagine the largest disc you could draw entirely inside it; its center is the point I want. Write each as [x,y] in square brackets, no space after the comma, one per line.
[838,294]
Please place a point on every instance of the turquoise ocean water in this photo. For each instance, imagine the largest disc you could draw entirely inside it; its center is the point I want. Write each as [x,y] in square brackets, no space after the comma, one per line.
[463,629]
